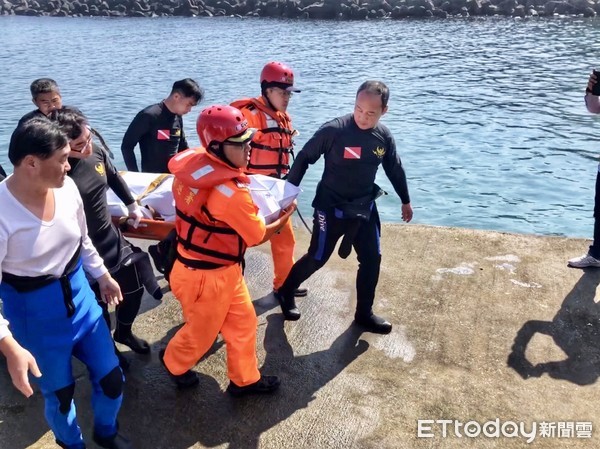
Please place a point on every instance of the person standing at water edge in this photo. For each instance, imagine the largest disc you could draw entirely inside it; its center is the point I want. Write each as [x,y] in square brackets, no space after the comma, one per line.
[158,129]
[592,258]
[271,148]
[216,221]
[53,313]
[353,147]
[45,94]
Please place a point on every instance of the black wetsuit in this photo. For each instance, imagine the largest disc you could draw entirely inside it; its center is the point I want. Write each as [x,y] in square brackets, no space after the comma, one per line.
[128,265]
[160,135]
[2,173]
[93,176]
[33,114]
[345,200]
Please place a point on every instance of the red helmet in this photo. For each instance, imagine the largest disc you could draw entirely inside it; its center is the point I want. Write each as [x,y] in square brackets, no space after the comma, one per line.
[277,74]
[219,123]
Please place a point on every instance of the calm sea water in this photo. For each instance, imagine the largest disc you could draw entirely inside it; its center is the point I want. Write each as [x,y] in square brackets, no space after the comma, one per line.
[488,115]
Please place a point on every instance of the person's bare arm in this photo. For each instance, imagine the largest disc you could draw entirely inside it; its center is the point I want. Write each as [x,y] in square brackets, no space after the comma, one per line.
[20,362]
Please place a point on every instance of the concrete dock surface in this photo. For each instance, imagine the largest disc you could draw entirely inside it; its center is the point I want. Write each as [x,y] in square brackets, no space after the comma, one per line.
[494,338]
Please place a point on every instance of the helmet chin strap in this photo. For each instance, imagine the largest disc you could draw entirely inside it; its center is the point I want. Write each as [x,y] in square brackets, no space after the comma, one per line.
[217,148]
[264,94]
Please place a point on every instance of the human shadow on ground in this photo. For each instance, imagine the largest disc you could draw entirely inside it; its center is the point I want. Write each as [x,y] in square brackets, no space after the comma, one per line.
[22,421]
[267,303]
[167,418]
[155,414]
[575,329]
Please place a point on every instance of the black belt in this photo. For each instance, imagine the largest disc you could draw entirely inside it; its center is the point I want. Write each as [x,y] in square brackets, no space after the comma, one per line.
[25,284]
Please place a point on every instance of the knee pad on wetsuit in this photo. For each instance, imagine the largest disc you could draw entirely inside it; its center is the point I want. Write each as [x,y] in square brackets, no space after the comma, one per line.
[65,396]
[112,383]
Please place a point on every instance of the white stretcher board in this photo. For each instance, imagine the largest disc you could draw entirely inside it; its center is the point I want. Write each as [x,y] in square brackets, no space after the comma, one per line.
[270,195]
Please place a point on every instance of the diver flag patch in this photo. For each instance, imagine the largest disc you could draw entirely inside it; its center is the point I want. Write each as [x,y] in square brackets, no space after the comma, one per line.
[163,134]
[352,152]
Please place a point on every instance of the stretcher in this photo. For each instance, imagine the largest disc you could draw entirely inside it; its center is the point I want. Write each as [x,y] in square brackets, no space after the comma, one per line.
[153,192]
[148,229]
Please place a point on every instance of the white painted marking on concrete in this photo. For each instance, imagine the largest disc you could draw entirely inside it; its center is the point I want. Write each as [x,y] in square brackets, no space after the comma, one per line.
[464,269]
[506,267]
[394,345]
[505,258]
[525,284]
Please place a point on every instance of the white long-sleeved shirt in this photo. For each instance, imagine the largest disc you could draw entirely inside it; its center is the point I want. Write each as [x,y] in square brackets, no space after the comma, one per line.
[32,247]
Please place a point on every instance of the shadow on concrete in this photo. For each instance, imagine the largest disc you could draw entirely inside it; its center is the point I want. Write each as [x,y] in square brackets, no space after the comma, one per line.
[155,414]
[265,304]
[261,305]
[575,329]
[207,415]
[22,421]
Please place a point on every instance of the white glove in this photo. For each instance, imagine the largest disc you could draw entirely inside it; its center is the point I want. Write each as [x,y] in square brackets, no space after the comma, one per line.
[135,213]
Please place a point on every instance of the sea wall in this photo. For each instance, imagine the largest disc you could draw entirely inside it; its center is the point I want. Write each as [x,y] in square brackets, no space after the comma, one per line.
[302,9]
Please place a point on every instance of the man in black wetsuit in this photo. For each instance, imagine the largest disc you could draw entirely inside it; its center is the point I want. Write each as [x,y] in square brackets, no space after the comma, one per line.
[45,94]
[158,129]
[353,146]
[93,173]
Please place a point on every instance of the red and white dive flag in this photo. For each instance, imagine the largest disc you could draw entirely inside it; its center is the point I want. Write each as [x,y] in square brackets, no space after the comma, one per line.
[352,152]
[163,134]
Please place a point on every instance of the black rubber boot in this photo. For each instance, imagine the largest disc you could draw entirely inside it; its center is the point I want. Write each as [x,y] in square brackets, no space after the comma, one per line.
[374,324]
[157,294]
[63,445]
[264,385]
[117,441]
[183,381]
[128,339]
[288,306]
[300,292]
[157,258]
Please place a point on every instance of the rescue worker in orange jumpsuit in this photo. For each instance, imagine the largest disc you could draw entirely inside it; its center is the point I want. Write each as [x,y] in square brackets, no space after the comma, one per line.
[216,221]
[271,148]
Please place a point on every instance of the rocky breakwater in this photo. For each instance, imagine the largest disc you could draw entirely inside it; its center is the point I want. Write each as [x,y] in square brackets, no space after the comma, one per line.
[302,9]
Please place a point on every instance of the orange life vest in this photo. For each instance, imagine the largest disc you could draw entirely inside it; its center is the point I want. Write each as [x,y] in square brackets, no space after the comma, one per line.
[272,144]
[203,241]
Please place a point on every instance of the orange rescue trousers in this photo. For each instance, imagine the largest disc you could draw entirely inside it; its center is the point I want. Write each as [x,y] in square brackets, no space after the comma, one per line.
[282,249]
[214,301]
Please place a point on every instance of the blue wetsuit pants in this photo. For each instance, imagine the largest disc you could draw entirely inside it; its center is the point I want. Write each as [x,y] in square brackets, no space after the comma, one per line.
[40,322]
